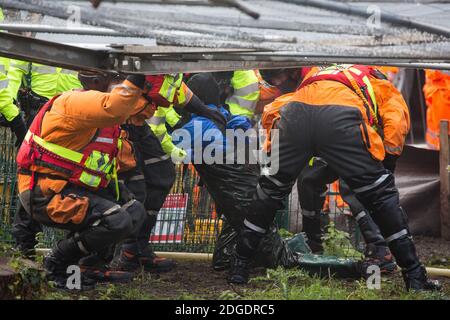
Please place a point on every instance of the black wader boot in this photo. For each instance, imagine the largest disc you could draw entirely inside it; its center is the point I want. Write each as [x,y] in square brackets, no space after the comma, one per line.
[377,251]
[315,227]
[247,245]
[414,273]
[65,254]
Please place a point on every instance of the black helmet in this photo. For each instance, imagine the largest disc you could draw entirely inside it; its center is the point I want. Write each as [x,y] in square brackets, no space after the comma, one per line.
[269,74]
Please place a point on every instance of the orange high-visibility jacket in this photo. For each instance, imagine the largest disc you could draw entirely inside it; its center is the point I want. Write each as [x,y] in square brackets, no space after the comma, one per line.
[74,119]
[392,109]
[437,97]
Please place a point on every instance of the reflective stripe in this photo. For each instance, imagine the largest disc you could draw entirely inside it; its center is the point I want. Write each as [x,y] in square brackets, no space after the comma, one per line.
[360,215]
[170,84]
[111,210]
[356,71]
[152,213]
[245,91]
[254,227]
[397,235]
[82,247]
[169,93]
[137,178]
[128,204]
[156,160]
[69,72]
[156,120]
[20,66]
[58,150]
[43,69]
[161,137]
[393,149]
[105,140]
[371,94]
[274,181]
[372,185]
[2,68]
[308,213]
[4,84]
[244,103]
[127,90]
[260,193]
[96,223]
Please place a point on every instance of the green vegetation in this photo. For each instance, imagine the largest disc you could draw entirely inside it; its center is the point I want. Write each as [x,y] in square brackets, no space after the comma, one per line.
[337,243]
[22,278]
[196,280]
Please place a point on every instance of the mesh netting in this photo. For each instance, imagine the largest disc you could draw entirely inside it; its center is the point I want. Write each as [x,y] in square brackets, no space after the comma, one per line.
[188,221]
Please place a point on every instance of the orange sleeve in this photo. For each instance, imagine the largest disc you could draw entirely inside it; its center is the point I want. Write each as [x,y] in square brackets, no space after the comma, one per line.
[94,109]
[394,114]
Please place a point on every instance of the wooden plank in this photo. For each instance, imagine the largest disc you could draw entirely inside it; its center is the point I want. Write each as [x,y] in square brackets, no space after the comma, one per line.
[444,161]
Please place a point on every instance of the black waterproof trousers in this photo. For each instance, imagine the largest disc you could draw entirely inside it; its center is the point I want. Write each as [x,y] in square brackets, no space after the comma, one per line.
[106,223]
[332,133]
[150,181]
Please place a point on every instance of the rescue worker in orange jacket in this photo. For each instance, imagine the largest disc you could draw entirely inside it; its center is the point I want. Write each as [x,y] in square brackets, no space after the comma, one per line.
[437,98]
[67,165]
[333,116]
[154,175]
[394,125]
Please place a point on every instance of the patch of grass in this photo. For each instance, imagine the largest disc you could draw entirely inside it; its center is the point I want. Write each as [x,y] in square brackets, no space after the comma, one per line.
[282,284]
[188,296]
[285,233]
[439,261]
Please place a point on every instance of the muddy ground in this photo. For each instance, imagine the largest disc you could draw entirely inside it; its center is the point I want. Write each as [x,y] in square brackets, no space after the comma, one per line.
[197,280]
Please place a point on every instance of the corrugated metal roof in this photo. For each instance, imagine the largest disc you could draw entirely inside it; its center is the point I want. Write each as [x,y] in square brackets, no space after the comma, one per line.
[283,28]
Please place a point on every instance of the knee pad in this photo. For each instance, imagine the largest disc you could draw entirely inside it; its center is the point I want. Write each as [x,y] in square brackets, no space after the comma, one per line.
[107,230]
[137,213]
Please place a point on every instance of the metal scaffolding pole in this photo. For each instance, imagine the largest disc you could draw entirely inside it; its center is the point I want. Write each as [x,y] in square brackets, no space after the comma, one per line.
[385,16]
[16,27]
[148,60]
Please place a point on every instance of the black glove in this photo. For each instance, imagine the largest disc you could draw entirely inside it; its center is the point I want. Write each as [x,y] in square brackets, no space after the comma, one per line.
[390,162]
[137,79]
[198,107]
[17,126]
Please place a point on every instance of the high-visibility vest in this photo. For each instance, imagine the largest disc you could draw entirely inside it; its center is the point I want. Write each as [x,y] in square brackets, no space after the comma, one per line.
[165,88]
[93,167]
[46,81]
[245,97]
[158,126]
[355,77]
[165,91]
[437,97]
[7,107]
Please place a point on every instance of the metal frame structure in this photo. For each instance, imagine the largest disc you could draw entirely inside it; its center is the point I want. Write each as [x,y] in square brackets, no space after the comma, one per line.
[154,60]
